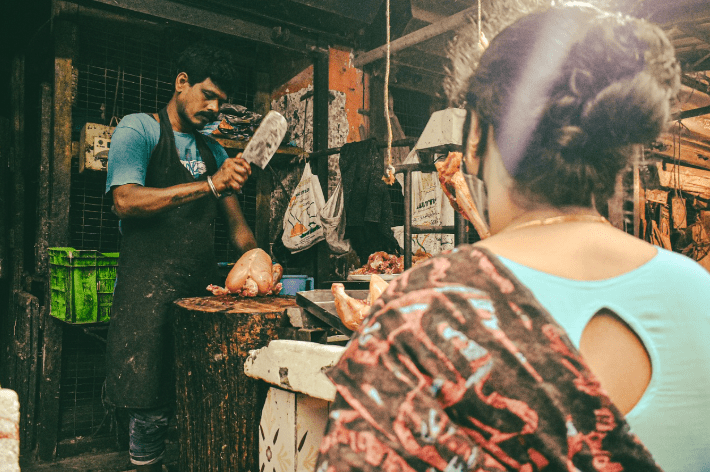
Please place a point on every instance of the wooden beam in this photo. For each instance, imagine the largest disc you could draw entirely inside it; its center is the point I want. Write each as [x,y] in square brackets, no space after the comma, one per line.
[65,40]
[451,23]
[691,30]
[321,97]
[687,179]
[212,21]
[43,194]
[264,183]
[637,193]
[697,63]
[27,346]
[50,381]
[691,113]
[422,63]
[427,84]
[17,165]
[65,35]
[69,11]
[5,197]
[694,84]
[13,361]
[687,152]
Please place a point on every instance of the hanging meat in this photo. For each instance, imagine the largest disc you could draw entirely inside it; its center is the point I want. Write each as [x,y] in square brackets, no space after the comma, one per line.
[455,188]
[352,311]
[381,262]
[252,275]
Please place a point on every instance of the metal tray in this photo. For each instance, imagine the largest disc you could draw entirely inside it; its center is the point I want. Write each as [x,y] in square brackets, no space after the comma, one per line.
[321,304]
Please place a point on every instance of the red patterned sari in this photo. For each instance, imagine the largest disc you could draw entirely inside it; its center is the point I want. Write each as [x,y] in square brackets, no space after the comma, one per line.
[460,368]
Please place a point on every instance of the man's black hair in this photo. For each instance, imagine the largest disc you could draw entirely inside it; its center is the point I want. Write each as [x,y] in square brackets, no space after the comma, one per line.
[204,60]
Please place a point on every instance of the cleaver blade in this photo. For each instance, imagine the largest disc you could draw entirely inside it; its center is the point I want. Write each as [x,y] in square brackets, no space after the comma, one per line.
[266,140]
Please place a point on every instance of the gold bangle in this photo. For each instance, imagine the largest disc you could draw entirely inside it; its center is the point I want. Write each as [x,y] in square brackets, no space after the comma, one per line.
[213,188]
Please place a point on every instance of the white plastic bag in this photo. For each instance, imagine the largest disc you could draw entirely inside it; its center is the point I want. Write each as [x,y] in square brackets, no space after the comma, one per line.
[302,221]
[334,222]
[430,207]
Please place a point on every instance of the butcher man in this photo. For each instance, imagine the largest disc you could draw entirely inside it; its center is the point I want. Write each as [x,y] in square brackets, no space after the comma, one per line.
[167,181]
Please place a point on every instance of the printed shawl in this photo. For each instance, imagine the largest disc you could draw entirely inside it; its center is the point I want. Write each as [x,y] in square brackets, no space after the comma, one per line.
[460,368]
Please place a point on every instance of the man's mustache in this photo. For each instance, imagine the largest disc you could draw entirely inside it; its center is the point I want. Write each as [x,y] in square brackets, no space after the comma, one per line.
[209,116]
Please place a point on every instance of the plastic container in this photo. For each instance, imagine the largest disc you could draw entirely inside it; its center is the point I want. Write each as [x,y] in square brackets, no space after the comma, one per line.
[295,283]
[81,282]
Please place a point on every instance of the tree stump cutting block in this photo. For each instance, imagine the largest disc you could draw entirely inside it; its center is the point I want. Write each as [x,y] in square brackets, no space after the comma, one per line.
[218,406]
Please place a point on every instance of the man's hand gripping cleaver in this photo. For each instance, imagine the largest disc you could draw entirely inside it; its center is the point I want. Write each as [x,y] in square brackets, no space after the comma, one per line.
[266,140]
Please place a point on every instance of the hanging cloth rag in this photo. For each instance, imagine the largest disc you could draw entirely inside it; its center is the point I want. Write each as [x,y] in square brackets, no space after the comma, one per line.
[368,208]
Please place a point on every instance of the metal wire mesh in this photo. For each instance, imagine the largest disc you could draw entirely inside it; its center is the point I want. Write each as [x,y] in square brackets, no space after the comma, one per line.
[81,412]
[93,224]
[412,110]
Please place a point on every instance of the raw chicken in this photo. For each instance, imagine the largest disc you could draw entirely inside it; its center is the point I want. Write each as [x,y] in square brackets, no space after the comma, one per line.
[252,275]
[352,311]
[456,190]
[377,286]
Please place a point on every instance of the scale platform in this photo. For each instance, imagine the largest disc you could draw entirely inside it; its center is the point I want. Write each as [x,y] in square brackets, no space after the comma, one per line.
[321,304]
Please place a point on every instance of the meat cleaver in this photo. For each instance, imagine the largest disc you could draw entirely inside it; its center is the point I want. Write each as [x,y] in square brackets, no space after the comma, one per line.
[266,140]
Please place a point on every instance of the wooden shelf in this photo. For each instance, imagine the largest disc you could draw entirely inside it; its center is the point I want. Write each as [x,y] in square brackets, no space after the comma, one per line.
[237,145]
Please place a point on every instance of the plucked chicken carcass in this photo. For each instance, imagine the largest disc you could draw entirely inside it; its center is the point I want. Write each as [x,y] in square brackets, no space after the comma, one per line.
[252,275]
[352,311]
[455,188]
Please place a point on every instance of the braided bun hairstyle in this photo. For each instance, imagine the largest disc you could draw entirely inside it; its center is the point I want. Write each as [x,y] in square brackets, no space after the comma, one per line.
[568,91]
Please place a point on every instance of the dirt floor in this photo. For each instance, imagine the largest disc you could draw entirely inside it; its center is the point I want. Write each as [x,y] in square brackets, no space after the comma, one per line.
[95,462]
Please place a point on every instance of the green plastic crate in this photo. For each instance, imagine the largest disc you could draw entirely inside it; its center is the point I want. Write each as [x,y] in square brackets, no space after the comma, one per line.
[81,283]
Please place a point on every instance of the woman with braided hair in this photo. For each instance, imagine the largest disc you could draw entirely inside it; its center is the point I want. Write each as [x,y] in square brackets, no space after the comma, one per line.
[560,342]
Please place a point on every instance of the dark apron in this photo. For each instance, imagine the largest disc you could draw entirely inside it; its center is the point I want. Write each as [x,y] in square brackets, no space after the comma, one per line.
[162,258]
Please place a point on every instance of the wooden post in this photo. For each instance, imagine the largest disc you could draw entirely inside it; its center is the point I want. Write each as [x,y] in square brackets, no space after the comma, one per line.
[48,411]
[65,35]
[264,188]
[27,347]
[638,204]
[262,105]
[4,196]
[45,147]
[218,406]
[321,94]
[6,320]
[17,159]
[65,38]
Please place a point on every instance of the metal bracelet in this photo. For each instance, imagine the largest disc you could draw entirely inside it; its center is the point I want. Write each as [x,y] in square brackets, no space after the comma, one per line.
[213,188]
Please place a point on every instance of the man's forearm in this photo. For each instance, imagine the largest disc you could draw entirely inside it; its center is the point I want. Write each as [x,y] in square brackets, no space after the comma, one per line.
[240,234]
[244,240]
[136,201]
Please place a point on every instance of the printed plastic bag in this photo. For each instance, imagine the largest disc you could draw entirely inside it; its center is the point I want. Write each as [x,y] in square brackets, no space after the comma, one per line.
[334,222]
[430,207]
[302,222]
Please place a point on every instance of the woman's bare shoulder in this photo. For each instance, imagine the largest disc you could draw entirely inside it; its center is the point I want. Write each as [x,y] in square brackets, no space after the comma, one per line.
[578,252]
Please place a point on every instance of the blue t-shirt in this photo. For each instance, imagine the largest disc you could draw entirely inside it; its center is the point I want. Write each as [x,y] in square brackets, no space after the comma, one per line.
[666,303]
[133,142]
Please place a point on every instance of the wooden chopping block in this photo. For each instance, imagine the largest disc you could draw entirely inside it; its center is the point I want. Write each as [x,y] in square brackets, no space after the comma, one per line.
[218,406]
